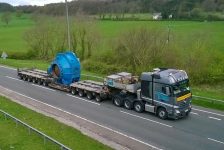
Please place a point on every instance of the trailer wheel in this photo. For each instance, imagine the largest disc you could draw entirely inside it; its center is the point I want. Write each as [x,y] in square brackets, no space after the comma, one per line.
[45,83]
[24,78]
[162,113]
[98,98]
[138,107]
[128,104]
[81,93]
[118,101]
[89,95]
[39,82]
[34,80]
[20,77]
[73,91]
[29,79]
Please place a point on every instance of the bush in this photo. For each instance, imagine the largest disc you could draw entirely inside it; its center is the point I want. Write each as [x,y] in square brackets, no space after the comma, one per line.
[17,55]
[141,50]
[101,67]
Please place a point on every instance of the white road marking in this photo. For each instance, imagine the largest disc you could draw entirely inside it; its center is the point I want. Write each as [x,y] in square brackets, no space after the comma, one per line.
[89,101]
[146,119]
[8,67]
[208,112]
[214,118]
[194,113]
[13,78]
[115,131]
[43,87]
[218,100]
[216,140]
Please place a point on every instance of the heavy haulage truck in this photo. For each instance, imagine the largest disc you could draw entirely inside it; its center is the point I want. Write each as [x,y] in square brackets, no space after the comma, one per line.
[164,92]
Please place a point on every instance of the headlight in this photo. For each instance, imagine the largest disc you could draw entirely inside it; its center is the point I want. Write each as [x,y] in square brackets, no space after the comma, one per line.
[177,111]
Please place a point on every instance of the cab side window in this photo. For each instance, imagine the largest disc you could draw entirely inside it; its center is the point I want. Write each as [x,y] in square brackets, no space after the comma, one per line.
[163,90]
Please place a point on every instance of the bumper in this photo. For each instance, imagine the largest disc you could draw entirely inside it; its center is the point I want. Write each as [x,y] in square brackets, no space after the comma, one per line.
[181,114]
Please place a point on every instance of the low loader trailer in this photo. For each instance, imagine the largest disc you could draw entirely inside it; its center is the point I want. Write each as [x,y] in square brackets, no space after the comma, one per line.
[163,92]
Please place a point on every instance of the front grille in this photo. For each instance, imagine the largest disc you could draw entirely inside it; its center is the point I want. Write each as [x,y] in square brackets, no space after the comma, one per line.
[183,104]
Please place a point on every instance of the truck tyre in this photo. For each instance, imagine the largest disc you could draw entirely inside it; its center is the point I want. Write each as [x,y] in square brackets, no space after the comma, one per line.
[118,101]
[128,104]
[138,107]
[89,95]
[162,113]
[98,98]
[81,93]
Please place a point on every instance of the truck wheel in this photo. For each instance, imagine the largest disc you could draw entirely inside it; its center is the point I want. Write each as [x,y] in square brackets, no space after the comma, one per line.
[128,104]
[138,107]
[118,101]
[89,95]
[73,91]
[81,93]
[162,113]
[98,98]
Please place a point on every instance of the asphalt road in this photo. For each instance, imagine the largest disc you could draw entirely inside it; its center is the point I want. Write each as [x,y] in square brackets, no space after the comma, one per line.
[203,129]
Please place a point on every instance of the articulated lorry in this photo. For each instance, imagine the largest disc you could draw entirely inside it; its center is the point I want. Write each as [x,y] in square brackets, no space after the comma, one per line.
[163,92]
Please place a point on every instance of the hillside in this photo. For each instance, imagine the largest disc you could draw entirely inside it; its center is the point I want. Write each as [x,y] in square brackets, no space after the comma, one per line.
[180,9]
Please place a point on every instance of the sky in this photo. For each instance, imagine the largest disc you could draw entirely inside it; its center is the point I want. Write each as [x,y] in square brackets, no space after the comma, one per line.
[31,2]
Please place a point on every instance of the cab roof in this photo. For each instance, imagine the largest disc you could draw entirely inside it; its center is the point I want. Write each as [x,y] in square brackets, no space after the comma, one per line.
[165,75]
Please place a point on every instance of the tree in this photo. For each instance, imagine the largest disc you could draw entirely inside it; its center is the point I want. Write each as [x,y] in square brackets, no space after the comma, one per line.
[6,17]
[19,13]
[47,38]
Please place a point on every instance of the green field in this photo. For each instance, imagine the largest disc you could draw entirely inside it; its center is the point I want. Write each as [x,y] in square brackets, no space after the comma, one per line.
[18,137]
[12,36]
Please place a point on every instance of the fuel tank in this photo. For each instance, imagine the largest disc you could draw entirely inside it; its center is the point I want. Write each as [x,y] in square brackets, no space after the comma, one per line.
[65,68]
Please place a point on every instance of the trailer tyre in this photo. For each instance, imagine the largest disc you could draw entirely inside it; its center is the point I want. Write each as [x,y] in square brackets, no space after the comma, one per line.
[138,107]
[118,101]
[45,83]
[73,91]
[98,98]
[162,113]
[128,104]
[24,78]
[89,95]
[29,79]
[39,82]
[81,93]
[34,80]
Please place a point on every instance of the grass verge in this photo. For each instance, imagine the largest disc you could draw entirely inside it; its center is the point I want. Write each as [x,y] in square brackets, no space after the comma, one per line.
[215,92]
[18,138]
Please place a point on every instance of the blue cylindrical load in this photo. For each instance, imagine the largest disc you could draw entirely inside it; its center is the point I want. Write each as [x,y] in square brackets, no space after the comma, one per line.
[65,68]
